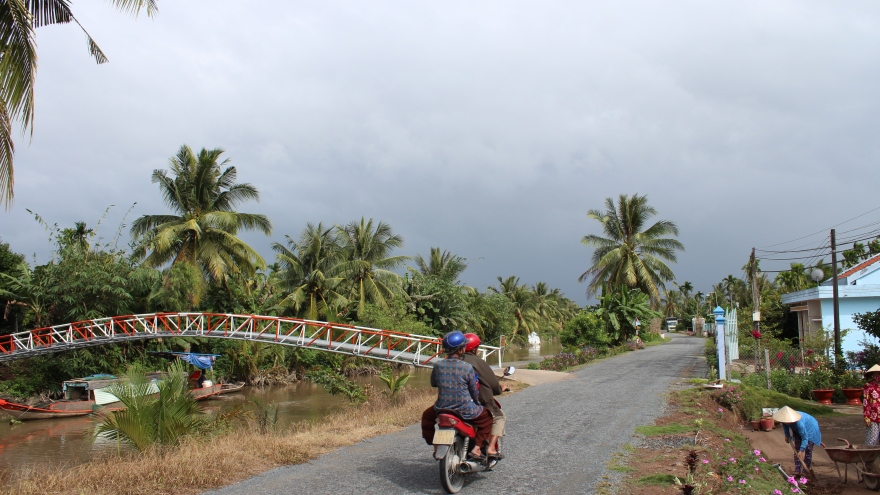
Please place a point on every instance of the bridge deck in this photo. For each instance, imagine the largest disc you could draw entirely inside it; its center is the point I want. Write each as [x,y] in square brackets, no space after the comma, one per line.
[387,345]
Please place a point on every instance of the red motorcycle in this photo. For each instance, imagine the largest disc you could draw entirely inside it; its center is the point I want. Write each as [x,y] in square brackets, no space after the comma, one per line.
[452,440]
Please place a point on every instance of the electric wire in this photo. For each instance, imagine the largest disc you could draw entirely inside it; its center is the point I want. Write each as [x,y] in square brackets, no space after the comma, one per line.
[823,230]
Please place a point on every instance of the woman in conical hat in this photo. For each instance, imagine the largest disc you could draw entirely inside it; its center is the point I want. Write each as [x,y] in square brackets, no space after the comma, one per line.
[802,433]
[871,405]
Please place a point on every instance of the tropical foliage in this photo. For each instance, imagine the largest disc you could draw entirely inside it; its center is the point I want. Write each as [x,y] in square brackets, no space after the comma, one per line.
[203,231]
[18,66]
[149,419]
[193,260]
[632,253]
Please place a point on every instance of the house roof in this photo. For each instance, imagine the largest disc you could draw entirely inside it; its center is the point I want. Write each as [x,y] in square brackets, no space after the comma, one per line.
[861,266]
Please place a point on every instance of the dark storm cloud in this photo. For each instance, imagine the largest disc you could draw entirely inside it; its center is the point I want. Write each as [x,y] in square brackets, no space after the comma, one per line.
[486,129]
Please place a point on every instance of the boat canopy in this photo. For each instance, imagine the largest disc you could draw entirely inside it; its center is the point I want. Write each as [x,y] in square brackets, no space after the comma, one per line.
[201,361]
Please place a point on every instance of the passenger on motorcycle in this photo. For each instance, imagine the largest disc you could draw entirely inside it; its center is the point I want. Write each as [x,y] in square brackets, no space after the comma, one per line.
[458,390]
[489,388]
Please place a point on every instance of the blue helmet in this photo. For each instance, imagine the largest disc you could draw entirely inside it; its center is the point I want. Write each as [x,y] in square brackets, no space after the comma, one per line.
[453,341]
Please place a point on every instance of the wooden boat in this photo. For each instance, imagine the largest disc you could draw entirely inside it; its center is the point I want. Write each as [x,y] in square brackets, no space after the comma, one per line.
[228,388]
[83,396]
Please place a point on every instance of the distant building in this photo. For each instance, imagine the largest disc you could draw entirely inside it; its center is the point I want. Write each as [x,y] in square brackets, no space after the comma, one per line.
[858,292]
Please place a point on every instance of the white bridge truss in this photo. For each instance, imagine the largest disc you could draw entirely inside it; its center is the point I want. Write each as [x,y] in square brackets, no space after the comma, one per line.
[387,345]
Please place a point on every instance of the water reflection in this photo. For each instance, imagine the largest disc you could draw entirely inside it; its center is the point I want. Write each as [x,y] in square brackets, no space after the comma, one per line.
[532,353]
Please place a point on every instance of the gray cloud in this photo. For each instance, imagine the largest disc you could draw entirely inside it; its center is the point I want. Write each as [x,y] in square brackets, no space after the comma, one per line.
[487,129]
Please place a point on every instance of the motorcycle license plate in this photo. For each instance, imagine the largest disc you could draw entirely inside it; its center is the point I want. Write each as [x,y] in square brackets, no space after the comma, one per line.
[444,437]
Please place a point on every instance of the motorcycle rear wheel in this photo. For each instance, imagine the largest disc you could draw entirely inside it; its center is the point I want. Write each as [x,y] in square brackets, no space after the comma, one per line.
[451,476]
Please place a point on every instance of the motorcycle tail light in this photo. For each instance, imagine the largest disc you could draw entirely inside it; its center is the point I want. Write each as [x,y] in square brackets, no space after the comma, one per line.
[447,422]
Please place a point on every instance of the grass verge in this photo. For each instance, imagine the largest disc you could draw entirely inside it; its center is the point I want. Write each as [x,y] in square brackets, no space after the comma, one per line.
[722,461]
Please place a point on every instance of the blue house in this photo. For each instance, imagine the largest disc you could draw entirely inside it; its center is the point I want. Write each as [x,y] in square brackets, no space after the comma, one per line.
[858,291]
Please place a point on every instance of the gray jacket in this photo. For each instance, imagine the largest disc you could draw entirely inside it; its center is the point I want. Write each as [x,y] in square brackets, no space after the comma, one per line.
[489,385]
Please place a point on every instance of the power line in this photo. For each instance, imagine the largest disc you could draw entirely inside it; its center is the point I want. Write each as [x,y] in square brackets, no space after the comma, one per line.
[793,259]
[793,250]
[823,230]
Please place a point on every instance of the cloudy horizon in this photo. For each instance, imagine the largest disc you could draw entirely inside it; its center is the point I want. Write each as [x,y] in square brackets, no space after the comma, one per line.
[486,129]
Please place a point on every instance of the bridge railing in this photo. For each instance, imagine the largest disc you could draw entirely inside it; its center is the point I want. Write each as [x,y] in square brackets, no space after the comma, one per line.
[387,345]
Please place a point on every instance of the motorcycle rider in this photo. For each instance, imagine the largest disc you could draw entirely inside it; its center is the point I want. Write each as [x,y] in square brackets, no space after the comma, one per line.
[458,390]
[489,388]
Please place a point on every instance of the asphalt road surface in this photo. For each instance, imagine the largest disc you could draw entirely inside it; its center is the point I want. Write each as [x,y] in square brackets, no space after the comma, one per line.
[560,436]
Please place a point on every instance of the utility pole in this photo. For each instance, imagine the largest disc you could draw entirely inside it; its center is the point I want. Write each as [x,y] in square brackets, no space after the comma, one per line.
[756,302]
[838,354]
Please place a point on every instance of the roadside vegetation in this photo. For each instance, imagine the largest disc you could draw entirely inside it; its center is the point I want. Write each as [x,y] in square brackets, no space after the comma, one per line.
[699,437]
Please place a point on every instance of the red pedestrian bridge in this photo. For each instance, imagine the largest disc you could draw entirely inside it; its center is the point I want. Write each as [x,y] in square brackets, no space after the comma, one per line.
[386,345]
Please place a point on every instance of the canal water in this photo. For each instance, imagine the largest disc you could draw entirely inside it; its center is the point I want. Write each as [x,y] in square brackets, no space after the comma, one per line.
[71,441]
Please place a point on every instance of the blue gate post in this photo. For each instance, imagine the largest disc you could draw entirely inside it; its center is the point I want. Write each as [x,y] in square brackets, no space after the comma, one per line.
[719,338]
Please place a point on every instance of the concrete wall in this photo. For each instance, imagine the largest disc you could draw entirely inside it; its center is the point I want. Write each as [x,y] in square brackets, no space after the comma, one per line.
[871,278]
[848,306]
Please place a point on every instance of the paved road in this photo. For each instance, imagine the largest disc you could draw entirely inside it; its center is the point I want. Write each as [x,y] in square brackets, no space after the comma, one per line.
[559,436]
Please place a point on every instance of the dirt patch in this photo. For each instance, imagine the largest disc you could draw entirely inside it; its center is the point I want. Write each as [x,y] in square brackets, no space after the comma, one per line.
[537,377]
[850,427]
[718,437]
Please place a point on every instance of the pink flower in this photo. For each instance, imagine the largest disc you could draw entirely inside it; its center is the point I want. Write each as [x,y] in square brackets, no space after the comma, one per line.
[742,482]
[757,452]
[726,439]
[705,461]
[792,480]
[733,460]
[757,468]
[730,478]
[795,490]
[762,459]
[777,492]
[803,481]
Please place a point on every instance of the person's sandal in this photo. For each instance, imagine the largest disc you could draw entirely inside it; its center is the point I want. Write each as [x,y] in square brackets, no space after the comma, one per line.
[498,456]
[478,458]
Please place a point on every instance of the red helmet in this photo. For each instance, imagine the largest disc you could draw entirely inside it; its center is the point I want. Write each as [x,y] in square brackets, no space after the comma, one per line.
[473,341]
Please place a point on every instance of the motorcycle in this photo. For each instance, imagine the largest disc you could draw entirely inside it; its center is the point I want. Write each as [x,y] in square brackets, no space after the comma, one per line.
[452,438]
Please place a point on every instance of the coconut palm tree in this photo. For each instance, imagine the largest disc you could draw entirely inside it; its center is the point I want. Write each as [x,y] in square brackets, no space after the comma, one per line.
[731,287]
[203,231]
[525,305]
[671,302]
[310,271]
[441,264]
[18,66]
[632,252]
[367,262]
[685,290]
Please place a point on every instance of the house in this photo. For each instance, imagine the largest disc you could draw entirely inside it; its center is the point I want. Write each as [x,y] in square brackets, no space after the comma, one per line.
[858,292]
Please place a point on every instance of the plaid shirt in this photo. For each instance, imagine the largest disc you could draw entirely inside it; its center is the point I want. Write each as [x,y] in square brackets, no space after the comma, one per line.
[458,387]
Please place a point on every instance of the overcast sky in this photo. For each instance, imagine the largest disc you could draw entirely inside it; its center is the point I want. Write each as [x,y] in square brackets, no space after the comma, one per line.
[487,128]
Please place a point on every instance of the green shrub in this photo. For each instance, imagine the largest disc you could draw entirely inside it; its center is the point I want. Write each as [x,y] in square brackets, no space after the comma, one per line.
[752,399]
[585,329]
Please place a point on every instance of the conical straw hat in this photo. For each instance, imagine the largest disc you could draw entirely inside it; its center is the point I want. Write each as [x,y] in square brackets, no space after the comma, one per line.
[873,369]
[787,415]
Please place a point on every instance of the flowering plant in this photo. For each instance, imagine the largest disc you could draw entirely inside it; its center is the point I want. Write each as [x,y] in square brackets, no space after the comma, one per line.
[756,334]
[729,397]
